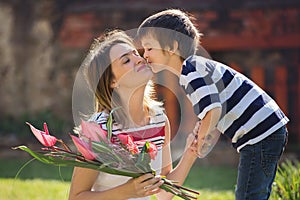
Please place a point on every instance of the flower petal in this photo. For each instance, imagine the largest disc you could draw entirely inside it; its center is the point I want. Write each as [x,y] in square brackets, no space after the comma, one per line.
[83,148]
[46,128]
[152,150]
[128,141]
[93,131]
[44,138]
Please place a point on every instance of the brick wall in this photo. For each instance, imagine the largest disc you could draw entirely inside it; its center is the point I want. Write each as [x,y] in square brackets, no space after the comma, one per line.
[38,68]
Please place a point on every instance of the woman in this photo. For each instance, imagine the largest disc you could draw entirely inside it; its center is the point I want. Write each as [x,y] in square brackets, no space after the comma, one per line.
[120,77]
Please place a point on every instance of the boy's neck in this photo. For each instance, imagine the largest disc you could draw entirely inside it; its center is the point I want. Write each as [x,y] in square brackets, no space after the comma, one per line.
[175,64]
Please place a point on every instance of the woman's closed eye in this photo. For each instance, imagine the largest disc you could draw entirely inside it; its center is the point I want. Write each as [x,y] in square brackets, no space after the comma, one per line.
[125,60]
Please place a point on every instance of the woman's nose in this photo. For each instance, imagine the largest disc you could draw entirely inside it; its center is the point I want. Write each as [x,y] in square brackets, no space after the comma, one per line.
[145,55]
[139,60]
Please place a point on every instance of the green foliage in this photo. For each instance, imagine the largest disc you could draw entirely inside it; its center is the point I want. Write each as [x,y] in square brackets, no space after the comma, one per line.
[287,181]
[17,126]
[27,169]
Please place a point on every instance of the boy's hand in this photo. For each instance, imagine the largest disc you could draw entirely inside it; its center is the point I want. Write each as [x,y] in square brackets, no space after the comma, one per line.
[206,143]
[192,144]
[196,128]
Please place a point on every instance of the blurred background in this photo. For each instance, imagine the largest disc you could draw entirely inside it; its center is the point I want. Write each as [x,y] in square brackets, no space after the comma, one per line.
[42,44]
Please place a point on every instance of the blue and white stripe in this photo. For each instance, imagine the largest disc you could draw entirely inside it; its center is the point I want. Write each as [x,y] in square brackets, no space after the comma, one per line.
[248,113]
[152,132]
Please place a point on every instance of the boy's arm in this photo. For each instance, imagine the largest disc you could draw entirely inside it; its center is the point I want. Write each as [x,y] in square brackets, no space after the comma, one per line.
[207,133]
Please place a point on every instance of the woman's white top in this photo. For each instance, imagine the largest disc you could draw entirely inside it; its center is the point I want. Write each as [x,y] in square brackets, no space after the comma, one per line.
[153,132]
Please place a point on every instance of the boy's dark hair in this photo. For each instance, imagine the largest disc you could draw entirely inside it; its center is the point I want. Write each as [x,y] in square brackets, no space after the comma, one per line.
[172,25]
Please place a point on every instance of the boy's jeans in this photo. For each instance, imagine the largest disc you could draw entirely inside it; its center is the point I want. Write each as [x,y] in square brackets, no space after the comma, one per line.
[258,165]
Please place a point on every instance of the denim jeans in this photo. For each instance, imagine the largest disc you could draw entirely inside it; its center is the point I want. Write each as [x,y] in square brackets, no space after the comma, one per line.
[258,165]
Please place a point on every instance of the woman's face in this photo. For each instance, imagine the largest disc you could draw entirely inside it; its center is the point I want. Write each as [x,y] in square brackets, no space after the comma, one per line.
[129,68]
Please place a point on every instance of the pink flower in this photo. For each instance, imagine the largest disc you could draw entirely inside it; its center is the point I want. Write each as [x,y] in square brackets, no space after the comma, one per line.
[84,148]
[43,136]
[93,131]
[128,141]
[151,149]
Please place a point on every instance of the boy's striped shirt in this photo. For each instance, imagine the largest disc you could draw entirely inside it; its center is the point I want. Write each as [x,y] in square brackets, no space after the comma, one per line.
[248,113]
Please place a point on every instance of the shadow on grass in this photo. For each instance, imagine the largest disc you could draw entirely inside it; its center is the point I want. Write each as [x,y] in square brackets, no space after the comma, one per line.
[212,177]
[27,169]
[200,177]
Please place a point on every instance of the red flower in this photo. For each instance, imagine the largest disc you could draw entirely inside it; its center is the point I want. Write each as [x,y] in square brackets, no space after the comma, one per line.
[84,148]
[128,141]
[43,136]
[93,131]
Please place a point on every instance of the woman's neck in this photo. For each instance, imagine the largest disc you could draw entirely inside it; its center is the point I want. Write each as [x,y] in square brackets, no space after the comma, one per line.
[134,107]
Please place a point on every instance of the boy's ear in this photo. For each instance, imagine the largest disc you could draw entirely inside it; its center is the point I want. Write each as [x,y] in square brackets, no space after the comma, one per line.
[175,47]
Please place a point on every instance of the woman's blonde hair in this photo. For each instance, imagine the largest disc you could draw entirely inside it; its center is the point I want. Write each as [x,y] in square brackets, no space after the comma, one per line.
[99,75]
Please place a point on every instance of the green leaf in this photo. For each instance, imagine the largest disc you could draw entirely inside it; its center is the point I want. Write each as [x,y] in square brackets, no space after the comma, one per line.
[62,160]
[287,182]
[109,123]
[144,160]
[101,147]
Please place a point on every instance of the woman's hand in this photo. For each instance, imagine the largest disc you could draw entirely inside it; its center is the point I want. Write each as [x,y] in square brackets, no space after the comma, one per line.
[144,185]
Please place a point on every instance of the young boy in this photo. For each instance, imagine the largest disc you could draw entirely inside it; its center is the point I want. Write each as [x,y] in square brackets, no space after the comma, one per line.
[224,100]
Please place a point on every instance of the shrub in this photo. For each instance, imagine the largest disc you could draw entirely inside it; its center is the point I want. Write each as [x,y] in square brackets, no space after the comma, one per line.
[17,126]
[287,181]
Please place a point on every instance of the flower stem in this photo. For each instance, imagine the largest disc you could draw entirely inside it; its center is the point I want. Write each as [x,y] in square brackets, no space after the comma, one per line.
[64,144]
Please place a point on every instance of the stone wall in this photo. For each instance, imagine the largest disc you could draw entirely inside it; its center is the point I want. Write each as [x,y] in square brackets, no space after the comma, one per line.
[31,71]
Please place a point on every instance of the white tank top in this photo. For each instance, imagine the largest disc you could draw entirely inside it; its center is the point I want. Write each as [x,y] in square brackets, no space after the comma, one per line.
[153,132]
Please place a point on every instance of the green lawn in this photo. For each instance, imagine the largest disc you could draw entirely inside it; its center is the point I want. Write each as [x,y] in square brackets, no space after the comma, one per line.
[33,189]
[37,180]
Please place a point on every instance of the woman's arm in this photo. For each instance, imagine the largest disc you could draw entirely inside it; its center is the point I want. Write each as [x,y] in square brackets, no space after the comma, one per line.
[207,134]
[83,180]
[180,172]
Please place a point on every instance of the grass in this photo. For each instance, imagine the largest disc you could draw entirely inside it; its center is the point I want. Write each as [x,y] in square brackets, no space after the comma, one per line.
[27,169]
[33,189]
[36,189]
[38,180]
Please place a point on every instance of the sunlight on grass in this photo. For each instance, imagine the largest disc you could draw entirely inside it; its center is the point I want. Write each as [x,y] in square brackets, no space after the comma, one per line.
[36,189]
[40,181]
[211,195]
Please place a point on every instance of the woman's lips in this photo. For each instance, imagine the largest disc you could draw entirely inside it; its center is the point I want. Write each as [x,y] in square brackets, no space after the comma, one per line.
[141,68]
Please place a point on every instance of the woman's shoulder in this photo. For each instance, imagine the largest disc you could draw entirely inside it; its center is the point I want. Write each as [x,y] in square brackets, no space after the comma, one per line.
[99,117]
[157,115]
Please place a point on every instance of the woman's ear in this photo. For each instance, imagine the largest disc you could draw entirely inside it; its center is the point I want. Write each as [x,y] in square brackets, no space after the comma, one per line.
[114,84]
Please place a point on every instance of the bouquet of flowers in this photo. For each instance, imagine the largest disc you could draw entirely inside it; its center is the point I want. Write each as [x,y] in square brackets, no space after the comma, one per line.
[97,151]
